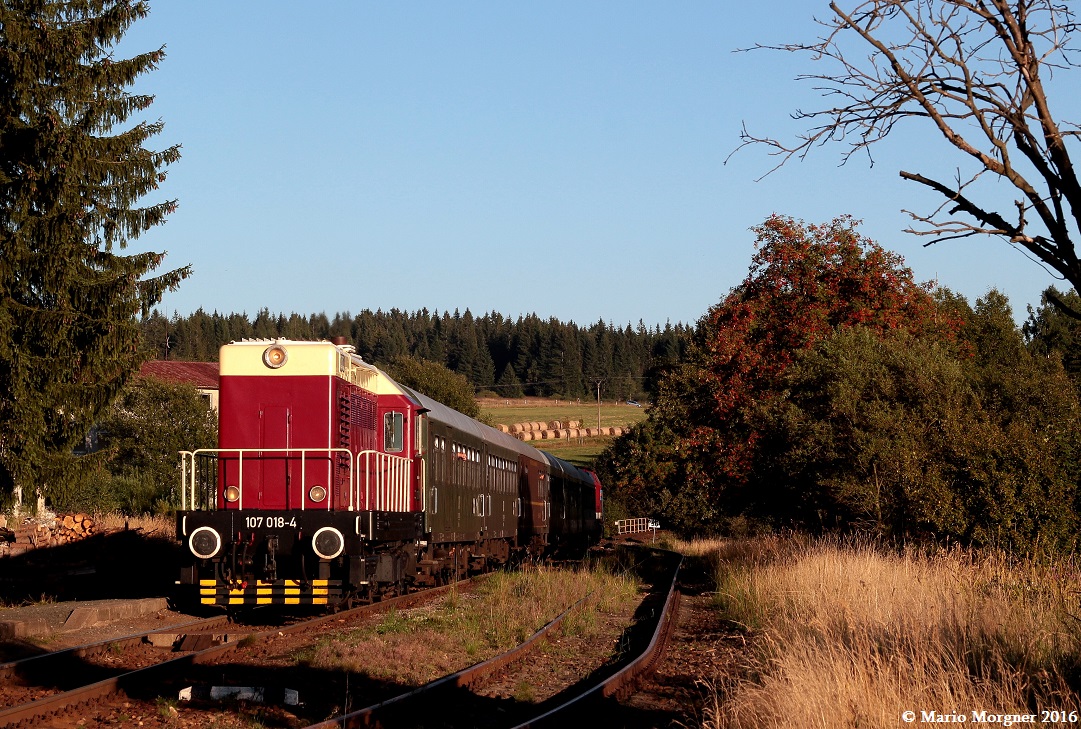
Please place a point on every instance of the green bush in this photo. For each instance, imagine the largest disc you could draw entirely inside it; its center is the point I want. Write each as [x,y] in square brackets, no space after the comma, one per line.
[435,381]
[138,469]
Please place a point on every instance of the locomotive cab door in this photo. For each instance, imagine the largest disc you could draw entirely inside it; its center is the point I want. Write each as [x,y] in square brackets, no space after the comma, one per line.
[273,469]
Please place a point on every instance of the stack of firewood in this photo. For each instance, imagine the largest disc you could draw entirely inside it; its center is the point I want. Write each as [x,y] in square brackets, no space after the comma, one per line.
[63,529]
[71,527]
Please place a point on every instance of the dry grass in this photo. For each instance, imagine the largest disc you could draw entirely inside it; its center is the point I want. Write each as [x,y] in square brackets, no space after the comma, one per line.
[116,521]
[416,646]
[850,635]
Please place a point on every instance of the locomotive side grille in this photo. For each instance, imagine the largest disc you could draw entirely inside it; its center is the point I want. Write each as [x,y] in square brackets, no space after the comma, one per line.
[362,411]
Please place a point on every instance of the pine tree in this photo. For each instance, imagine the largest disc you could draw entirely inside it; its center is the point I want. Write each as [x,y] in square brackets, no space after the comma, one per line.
[508,384]
[69,301]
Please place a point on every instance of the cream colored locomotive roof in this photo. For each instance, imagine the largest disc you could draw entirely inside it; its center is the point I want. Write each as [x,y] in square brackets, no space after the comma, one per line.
[245,358]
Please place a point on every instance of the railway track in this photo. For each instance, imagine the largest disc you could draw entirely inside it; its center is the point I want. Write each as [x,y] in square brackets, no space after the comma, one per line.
[469,692]
[428,705]
[55,684]
[37,677]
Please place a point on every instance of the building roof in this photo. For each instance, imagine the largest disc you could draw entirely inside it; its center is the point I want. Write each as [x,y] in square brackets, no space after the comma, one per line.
[203,375]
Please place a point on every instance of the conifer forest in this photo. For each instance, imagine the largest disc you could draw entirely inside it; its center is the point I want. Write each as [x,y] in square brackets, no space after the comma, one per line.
[527,356]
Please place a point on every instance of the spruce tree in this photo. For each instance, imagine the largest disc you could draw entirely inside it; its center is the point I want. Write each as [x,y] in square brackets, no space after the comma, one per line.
[69,187]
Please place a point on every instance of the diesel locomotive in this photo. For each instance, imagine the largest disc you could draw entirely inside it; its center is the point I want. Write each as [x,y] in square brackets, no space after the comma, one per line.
[333,483]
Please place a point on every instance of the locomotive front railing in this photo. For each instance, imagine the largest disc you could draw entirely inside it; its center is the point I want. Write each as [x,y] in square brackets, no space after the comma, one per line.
[190,473]
[382,479]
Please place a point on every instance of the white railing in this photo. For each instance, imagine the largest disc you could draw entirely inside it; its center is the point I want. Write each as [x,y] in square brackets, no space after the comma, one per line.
[386,482]
[189,475]
[634,526]
[381,479]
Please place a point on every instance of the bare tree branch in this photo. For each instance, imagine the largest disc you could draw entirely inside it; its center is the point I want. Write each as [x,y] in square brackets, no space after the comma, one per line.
[975,71]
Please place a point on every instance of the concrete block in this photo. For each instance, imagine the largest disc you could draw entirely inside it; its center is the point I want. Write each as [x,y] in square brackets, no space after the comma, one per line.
[12,629]
[163,640]
[107,611]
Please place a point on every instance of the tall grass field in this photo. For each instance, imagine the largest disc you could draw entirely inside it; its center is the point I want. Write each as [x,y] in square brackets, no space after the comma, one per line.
[854,635]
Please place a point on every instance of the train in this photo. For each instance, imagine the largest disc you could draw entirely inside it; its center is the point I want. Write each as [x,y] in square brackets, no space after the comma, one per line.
[332,483]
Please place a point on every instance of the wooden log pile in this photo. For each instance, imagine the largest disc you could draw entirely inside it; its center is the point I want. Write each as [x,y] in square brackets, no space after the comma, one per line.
[72,527]
[33,533]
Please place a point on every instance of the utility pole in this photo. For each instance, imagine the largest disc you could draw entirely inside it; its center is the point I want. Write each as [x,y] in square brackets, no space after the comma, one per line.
[599,403]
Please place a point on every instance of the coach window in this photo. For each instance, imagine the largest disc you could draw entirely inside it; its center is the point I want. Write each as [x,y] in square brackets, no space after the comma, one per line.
[393,426]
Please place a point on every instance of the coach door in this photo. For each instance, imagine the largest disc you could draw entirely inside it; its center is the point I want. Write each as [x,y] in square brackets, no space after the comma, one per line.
[273,467]
[533,491]
[440,503]
[420,461]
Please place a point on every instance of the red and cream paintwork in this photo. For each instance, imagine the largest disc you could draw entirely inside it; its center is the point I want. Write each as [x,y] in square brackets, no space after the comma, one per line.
[315,484]
[343,429]
[332,482]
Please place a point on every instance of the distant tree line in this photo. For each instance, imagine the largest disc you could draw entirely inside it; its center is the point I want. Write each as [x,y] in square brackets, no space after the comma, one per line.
[527,356]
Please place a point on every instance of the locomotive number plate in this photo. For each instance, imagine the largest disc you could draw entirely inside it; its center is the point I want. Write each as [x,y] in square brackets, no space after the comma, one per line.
[270,522]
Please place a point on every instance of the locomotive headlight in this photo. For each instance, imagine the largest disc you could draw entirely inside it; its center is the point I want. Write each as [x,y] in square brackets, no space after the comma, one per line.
[275,356]
[205,542]
[328,543]
[317,493]
[232,494]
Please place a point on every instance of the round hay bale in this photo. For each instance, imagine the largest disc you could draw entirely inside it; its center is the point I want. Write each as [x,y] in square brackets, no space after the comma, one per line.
[617,430]
[554,425]
[574,423]
[562,433]
[525,435]
[516,428]
[574,433]
[502,428]
[548,435]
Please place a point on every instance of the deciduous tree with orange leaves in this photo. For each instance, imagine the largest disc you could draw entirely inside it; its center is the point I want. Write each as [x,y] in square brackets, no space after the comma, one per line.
[805,283]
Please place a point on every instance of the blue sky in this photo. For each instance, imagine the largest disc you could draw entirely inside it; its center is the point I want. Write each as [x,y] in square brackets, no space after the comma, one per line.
[559,158]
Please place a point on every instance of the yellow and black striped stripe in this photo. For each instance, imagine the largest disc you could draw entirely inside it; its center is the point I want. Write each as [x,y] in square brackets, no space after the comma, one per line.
[277,592]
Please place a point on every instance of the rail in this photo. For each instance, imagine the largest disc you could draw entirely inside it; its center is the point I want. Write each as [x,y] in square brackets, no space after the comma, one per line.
[381,478]
[622,683]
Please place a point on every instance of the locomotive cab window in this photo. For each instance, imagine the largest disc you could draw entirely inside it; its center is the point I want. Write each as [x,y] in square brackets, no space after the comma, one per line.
[393,432]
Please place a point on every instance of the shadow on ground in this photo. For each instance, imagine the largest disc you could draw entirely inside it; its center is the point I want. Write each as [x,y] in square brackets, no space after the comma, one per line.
[122,564]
